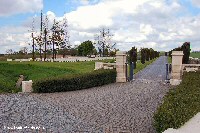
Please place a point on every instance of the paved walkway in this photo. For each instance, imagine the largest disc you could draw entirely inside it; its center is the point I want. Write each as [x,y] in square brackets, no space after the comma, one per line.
[120,107]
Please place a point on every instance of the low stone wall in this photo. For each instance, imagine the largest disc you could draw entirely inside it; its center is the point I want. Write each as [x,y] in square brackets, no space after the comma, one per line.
[194,60]
[190,67]
[9,59]
[20,60]
[102,65]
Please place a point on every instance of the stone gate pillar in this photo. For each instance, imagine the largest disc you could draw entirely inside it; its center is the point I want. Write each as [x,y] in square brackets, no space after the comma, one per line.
[121,66]
[176,74]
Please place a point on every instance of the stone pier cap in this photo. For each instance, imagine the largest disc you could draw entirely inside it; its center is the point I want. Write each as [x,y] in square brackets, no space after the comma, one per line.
[121,53]
[176,53]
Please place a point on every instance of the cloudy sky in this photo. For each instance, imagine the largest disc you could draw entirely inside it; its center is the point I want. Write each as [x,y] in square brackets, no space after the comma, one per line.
[160,24]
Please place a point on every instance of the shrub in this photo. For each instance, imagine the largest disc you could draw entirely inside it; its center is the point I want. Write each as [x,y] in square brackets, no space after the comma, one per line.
[142,56]
[180,104]
[133,56]
[186,51]
[147,54]
[76,82]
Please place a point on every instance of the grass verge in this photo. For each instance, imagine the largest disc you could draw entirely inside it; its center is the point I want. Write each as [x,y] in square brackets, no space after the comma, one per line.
[169,59]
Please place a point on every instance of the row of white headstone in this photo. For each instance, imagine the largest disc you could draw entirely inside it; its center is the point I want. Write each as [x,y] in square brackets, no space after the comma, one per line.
[69,59]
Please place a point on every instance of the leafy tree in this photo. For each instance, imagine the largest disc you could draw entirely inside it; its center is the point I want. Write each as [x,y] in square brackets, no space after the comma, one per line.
[186,51]
[95,51]
[142,56]
[152,54]
[80,50]
[86,48]
[147,54]
[63,52]
[112,53]
[73,51]
[133,56]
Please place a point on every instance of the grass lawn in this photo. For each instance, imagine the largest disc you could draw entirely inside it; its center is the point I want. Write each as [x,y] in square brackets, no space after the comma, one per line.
[195,54]
[169,59]
[10,71]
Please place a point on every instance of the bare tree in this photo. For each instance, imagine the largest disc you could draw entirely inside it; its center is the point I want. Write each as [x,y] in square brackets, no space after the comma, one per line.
[9,51]
[104,42]
[57,37]
[24,50]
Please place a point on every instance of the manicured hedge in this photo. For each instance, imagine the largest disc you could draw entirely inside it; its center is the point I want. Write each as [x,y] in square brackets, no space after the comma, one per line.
[180,104]
[76,82]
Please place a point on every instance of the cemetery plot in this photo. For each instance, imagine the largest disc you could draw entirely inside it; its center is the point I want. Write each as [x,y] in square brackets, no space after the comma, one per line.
[10,71]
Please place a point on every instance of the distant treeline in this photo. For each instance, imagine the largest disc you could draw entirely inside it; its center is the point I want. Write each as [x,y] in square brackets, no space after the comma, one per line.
[146,54]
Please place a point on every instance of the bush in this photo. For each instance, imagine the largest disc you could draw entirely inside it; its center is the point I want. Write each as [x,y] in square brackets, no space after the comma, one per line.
[180,104]
[76,82]
[186,51]
[132,56]
[142,56]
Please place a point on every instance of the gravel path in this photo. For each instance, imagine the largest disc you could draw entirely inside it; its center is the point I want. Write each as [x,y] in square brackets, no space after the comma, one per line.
[155,71]
[114,108]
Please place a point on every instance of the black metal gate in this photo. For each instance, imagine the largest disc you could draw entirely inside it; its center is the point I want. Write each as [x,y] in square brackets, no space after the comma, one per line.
[129,71]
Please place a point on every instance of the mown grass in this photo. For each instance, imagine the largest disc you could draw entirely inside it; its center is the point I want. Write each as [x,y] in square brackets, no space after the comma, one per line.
[10,71]
[169,59]
[180,104]
[195,54]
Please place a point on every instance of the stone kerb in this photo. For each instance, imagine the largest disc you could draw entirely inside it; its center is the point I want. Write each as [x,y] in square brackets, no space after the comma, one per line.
[177,57]
[121,66]
[27,86]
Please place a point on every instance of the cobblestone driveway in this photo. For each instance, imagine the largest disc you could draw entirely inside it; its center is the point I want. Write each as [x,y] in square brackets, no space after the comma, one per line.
[120,107]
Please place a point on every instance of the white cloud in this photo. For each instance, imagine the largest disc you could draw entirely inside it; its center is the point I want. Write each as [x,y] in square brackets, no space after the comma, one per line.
[101,14]
[146,29]
[51,15]
[11,7]
[196,3]
[84,2]
[75,43]
[142,23]
[14,38]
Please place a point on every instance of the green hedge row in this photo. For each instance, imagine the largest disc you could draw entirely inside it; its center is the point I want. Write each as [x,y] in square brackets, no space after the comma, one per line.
[76,82]
[180,104]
